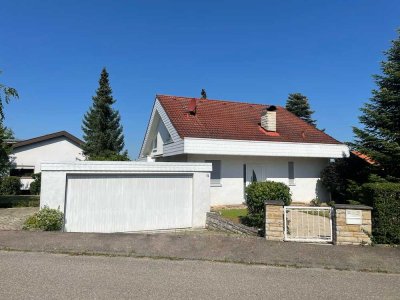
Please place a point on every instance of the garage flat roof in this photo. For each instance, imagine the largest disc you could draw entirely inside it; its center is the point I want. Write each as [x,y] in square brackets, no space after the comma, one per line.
[126,167]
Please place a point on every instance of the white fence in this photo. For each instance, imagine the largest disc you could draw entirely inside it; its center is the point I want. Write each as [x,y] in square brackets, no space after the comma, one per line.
[308,224]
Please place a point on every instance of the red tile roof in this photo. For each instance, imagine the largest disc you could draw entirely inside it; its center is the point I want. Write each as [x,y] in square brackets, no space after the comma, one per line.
[217,119]
[364,157]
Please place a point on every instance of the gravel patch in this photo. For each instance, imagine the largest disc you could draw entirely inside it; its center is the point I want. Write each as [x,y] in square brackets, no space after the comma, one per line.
[13,218]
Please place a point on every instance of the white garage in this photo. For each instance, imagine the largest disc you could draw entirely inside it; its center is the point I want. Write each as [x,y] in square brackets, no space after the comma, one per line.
[127,196]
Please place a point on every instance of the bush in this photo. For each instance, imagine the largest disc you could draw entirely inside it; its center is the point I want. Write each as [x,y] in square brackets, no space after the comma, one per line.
[344,177]
[10,185]
[385,199]
[35,185]
[257,193]
[46,219]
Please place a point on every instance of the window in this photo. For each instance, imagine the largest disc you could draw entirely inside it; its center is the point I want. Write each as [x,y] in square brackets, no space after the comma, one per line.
[216,172]
[168,139]
[154,145]
[22,172]
[291,173]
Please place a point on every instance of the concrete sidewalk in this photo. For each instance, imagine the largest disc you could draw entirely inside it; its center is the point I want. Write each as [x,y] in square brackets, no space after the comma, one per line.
[208,246]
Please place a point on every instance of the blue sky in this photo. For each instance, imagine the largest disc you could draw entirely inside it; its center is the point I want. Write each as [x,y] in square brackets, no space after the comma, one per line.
[253,51]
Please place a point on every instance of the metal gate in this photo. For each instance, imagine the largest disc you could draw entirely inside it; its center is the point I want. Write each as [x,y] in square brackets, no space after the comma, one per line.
[308,224]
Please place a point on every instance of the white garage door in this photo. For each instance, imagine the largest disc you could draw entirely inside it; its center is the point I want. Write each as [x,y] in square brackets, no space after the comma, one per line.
[118,203]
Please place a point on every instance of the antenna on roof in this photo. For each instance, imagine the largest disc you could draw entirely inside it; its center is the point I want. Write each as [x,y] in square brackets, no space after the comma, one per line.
[203,94]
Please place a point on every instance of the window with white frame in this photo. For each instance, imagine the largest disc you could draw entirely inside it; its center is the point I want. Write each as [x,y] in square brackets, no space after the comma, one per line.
[291,173]
[216,172]
[154,144]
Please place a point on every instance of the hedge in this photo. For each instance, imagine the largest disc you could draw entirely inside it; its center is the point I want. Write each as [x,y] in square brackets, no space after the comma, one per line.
[10,185]
[19,201]
[385,199]
[256,195]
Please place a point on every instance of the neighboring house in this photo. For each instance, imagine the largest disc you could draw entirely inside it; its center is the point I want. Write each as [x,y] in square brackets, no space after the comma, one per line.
[244,142]
[27,155]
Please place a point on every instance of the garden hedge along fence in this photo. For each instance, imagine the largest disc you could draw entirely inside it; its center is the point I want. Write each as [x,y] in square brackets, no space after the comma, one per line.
[385,199]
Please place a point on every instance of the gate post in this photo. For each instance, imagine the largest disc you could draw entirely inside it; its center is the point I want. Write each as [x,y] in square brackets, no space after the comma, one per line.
[352,225]
[274,215]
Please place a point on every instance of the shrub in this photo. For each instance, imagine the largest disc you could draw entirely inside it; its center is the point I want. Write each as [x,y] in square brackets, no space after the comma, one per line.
[19,201]
[35,185]
[257,193]
[46,219]
[344,177]
[385,199]
[10,185]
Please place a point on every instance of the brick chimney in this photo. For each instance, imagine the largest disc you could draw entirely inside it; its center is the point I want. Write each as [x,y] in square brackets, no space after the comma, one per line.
[268,120]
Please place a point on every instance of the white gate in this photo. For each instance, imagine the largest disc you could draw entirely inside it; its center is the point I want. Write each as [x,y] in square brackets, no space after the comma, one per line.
[308,224]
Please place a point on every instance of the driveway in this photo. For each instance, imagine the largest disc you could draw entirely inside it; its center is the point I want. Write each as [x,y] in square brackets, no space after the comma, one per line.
[13,218]
[59,276]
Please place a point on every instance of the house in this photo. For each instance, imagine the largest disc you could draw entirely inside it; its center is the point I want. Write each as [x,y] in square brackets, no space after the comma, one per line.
[27,155]
[244,142]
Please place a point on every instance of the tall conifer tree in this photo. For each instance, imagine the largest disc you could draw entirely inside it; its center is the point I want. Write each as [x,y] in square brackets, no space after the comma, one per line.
[298,104]
[380,136]
[104,139]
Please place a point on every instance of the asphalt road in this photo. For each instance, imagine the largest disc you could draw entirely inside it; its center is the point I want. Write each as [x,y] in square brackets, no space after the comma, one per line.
[48,276]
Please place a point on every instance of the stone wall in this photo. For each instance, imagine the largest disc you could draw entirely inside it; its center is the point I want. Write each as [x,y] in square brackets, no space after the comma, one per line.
[351,224]
[348,233]
[216,222]
[274,220]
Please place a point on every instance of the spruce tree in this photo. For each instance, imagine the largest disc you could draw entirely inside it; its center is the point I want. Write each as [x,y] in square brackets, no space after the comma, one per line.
[203,94]
[298,105]
[380,136]
[104,139]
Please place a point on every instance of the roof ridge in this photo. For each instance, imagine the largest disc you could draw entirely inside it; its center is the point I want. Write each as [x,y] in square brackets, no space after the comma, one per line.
[48,137]
[218,100]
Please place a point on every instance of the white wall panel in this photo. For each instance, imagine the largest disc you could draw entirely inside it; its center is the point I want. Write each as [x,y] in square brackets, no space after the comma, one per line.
[256,148]
[120,203]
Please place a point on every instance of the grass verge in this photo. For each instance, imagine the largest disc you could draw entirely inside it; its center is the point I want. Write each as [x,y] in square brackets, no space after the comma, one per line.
[233,214]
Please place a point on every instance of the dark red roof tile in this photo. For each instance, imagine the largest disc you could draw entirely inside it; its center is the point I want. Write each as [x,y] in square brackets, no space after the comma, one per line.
[217,119]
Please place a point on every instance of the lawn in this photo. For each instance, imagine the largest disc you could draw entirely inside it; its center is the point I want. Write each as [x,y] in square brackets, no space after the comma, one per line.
[233,214]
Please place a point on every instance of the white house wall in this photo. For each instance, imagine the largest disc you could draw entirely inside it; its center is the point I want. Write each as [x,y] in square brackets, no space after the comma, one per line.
[58,149]
[231,191]
[159,116]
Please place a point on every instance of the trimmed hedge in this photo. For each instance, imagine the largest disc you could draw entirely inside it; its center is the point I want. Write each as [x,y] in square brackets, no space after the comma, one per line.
[385,199]
[19,201]
[10,185]
[257,193]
